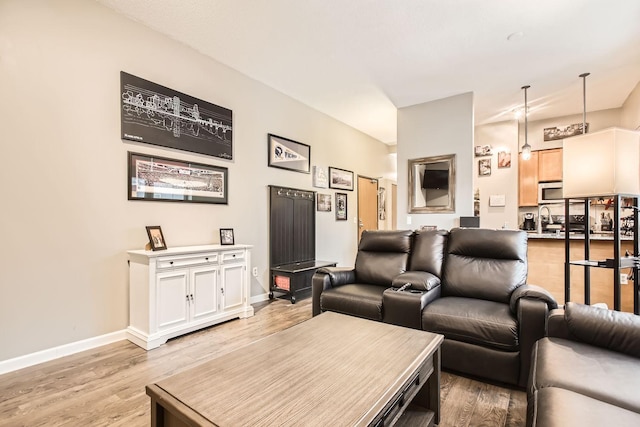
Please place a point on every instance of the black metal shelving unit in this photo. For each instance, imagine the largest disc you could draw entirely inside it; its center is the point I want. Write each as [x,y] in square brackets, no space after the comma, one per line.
[616,264]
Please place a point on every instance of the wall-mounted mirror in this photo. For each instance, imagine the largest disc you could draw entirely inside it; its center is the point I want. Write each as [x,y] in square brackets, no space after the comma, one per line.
[432,184]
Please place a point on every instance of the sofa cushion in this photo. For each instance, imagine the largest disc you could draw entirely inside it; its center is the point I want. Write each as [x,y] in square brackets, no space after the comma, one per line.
[596,372]
[484,264]
[428,251]
[356,299]
[382,255]
[563,408]
[474,321]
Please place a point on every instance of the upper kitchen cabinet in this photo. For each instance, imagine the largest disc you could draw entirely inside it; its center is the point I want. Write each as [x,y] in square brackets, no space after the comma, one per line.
[528,180]
[550,165]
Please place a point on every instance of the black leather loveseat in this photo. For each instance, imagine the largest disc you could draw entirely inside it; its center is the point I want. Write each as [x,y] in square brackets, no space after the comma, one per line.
[467,284]
[587,371]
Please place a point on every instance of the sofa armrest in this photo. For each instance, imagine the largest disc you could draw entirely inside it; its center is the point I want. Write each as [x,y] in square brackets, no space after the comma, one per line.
[604,328]
[338,275]
[325,278]
[532,316]
[418,280]
[532,292]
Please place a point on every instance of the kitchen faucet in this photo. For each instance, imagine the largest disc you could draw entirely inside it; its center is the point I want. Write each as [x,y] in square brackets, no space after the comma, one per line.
[540,216]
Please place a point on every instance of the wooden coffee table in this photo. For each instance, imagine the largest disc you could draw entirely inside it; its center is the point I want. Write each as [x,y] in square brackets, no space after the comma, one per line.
[332,370]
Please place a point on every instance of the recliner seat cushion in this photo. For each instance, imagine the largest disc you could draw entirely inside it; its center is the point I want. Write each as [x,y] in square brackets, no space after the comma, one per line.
[474,321]
[356,299]
[484,264]
[596,372]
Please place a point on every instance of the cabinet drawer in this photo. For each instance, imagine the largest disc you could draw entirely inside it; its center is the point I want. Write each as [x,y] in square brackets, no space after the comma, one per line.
[187,260]
[232,256]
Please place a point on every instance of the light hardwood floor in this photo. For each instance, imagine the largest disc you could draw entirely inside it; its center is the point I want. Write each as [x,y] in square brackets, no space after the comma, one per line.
[106,386]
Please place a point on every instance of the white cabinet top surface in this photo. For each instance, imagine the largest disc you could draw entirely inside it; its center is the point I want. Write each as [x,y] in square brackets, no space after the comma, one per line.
[183,250]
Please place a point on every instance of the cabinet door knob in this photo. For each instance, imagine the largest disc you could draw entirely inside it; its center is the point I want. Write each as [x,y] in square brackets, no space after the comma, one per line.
[206,259]
[171,262]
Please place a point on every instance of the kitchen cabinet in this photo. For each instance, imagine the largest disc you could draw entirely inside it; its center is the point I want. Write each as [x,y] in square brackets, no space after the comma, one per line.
[528,180]
[543,166]
[183,289]
[550,165]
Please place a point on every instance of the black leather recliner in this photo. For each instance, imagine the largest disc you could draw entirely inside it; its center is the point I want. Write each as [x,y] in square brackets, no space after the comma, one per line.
[467,284]
[587,371]
[488,314]
[382,255]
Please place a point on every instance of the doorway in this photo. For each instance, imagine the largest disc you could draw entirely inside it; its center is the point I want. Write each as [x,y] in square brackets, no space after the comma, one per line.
[367,204]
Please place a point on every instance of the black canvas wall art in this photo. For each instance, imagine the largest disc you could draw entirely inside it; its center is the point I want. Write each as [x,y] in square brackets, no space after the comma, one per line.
[155,114]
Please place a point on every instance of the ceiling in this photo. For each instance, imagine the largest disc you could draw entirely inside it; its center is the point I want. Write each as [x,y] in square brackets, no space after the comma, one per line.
[360,60]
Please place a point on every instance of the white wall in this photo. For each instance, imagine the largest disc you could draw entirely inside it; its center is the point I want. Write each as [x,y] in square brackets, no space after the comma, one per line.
[437,128]
[597,120]
[66,221]
[502,136]
[630,114]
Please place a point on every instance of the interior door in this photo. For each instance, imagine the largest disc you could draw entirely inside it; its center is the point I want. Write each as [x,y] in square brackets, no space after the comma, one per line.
[367,204]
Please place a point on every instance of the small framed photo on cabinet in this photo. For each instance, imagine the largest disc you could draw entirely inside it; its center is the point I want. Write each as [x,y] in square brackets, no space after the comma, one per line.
[156,238]
[226,236]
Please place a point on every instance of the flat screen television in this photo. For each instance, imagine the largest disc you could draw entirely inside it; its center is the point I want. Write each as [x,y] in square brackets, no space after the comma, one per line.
[436,179]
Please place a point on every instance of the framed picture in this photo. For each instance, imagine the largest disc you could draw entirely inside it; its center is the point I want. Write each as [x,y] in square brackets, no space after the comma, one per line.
[504,159]
[288,154]
[341,206]
[320,178]
[226,236]
[323,202]
[167,180]
[562,132]
[340,179]
[156,238]
[483,150]
[154,114]
[484,167]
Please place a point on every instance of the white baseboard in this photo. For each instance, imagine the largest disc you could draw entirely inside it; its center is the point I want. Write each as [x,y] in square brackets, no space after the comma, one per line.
[258,298]
[49,354]
[27,360]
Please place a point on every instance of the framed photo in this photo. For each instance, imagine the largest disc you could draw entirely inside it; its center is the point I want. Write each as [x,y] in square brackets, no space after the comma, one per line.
[320,178]
[340,179]
[341,206]
[562,132]
[504,159]
[288,154]
[156,238]
[484,167]
[483,150]
[154,114]
[226,236]
[167,180]
[323,202]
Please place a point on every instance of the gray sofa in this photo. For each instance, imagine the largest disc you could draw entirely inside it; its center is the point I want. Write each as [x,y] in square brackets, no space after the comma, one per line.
[467,284]
[586,372]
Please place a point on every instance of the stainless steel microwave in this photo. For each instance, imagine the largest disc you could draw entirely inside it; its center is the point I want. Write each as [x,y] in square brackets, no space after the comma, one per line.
[550,192]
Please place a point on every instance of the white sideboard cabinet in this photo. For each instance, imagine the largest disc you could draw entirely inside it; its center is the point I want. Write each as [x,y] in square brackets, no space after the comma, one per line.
[182,289]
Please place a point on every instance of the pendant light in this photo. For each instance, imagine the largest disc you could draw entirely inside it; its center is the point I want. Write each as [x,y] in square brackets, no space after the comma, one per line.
[526,148]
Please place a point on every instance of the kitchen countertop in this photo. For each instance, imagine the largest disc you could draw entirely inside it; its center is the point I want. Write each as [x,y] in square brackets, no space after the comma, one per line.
[574,236]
